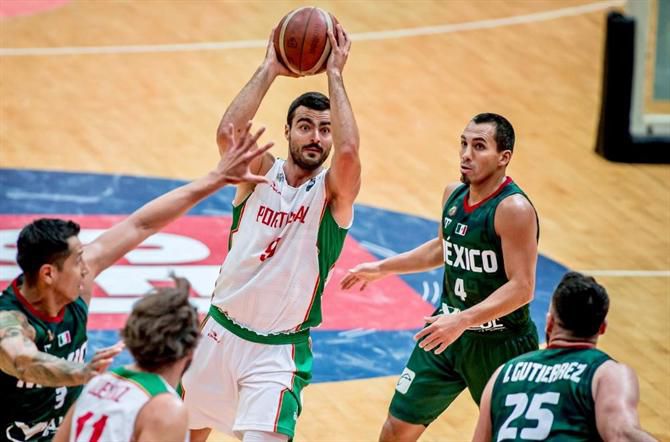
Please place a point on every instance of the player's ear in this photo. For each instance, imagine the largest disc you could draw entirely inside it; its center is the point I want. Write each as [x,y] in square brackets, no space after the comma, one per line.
[603,328]
[505,157]
[549,323]
[287,131]
[47,274]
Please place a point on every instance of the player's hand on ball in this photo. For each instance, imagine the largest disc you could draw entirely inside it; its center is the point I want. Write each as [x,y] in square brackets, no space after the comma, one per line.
[340,45]
[272,59]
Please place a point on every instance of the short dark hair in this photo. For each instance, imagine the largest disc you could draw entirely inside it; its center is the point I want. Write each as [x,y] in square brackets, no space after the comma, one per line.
[44,241]
[311,100]
[581,304]
[162,327]
[504,129]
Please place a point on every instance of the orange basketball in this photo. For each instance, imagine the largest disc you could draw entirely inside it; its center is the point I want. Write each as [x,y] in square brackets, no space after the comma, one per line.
[301,40]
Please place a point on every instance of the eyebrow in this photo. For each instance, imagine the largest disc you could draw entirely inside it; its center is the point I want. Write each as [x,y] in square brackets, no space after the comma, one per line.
[310,121]
[475,139]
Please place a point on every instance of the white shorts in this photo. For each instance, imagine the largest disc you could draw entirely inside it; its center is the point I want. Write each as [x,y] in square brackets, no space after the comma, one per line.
[235,385]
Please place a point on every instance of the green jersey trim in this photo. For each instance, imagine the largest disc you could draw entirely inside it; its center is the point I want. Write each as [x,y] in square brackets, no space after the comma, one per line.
[250,335]
[150,383]
[330,241]
[238,211]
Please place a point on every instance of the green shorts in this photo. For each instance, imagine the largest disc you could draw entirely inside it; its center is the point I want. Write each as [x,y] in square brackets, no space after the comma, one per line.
[430,383]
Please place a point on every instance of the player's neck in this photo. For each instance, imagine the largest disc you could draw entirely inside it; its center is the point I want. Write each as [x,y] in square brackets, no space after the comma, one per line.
[566,341]
[480,191]
[171,374]
[296,176]
[42,299]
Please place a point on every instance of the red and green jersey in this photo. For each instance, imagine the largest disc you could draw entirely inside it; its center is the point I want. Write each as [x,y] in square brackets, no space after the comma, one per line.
[474,264]
[31,412]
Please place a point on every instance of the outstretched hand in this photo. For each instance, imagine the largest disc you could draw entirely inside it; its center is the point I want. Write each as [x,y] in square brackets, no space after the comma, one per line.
[103,358]
[362,274]
[234,165]
[340,45]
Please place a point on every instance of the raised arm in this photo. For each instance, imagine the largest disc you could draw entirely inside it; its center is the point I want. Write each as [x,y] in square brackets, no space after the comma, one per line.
[344,176]
[427,256]
[617,393]
[20,357]
[233,168]
[245,105]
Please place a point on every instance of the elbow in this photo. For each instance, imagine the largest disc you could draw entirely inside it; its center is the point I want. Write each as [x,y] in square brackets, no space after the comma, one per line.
[348,149]
[526,291]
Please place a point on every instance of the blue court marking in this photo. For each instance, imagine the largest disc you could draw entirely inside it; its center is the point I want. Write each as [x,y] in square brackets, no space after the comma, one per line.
[339,355]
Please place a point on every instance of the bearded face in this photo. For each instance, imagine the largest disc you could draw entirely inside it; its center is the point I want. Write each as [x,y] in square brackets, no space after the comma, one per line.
[309,138]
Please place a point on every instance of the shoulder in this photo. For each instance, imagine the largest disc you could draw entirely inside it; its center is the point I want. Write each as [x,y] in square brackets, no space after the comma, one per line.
[515,212]
[164,412]
[612,372]
[14,319]
[449,190]
[614,379]
[515,204]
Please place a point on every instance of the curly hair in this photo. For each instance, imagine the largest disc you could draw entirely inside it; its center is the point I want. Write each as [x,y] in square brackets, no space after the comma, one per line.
[163,326]
[581,304]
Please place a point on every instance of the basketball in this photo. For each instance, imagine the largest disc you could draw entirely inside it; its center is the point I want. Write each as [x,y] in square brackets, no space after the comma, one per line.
[301,40]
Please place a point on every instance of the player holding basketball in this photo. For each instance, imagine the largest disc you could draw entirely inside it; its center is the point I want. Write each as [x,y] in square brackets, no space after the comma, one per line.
[139,402]
[43,313]
[254,358]
[487,242]
[570,390]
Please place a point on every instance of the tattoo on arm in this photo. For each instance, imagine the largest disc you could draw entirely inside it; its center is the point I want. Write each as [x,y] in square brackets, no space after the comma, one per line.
[19,357]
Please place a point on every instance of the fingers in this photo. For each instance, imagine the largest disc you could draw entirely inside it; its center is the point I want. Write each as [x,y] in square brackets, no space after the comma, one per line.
[244,137]
[441,348]
[341,36]
[256,179]
[430,342]
[349,281]
[108,352]
[333,41]
[431,319]
[424,332]
[260,150]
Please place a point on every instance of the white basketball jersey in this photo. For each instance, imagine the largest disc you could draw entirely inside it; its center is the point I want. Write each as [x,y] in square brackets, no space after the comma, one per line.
[283,244]
[109,405]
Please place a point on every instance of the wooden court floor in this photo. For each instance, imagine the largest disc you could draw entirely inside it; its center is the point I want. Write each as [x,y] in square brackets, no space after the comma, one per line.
[155,112]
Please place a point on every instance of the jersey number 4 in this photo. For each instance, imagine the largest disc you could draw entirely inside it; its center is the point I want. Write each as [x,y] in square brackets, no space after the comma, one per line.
[459,290]
[535,412]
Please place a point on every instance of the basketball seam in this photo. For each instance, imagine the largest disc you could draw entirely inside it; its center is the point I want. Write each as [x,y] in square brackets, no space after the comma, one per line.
[326,49]
[282,34]
[302,48]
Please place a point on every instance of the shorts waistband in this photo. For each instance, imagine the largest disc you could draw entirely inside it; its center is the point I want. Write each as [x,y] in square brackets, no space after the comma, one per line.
[526,329]
[226,322]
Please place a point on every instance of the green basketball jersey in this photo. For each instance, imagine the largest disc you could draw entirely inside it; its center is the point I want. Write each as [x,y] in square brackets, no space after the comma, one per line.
[474,266]
[29,411]
[546,395]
